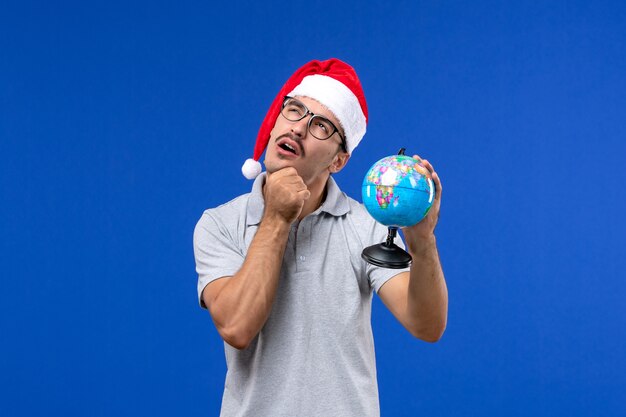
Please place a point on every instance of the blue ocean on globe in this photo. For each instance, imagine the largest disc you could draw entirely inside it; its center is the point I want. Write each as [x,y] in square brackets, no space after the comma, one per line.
[398,191]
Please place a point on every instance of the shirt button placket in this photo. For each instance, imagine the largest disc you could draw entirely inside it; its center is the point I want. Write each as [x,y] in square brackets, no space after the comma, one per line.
[303,244]
[292,246]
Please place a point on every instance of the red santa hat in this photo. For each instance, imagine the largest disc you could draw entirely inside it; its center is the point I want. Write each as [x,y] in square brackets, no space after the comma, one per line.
[334,84]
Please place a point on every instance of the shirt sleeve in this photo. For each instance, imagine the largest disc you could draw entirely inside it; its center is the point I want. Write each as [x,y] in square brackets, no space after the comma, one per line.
[216,252]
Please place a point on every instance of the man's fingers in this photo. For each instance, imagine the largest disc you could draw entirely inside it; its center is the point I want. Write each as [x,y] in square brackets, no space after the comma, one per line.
[438,186]
[299,186]
[289,177]
[304,194]
[428,165]
[294,181]
[288,171]
[285,172]
[435,176]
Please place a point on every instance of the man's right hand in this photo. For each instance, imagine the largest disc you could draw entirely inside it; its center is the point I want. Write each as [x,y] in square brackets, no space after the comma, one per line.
[284,193]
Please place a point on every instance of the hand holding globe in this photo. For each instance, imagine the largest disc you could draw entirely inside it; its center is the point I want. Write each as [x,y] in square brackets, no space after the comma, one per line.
[398,191]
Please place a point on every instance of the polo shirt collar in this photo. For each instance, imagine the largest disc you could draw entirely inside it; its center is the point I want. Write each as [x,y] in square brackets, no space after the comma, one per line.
[256,204]
[335,204]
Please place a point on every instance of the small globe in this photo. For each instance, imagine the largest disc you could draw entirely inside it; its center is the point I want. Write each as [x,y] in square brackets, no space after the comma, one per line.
[398,191]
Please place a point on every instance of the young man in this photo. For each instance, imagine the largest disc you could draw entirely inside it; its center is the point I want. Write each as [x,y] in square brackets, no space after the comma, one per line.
[280,268]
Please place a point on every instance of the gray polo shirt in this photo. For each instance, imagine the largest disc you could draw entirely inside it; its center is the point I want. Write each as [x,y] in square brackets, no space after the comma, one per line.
[315,354]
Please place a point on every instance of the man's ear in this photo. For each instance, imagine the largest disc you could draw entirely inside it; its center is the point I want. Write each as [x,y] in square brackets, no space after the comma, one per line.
[340,161]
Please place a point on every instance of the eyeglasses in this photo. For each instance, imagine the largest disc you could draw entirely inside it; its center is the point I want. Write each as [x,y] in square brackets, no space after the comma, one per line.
[320,127]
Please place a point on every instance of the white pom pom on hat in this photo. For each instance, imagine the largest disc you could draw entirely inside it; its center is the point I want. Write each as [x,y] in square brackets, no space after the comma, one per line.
[334,84]
[251,169]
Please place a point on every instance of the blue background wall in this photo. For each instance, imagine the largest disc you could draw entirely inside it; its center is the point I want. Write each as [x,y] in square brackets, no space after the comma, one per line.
[121,122]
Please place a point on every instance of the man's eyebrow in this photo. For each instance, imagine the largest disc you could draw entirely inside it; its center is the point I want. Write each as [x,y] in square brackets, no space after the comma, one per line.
[297,100]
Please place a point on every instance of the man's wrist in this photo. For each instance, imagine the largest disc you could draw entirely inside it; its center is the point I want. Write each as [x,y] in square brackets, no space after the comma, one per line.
[420,245]
[275,222]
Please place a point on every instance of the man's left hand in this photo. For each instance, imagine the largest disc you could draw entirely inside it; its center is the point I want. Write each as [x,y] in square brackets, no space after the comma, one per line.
[423,231]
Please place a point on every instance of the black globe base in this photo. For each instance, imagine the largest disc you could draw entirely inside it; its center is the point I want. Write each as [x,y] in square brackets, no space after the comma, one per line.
[392,257]
[387,254]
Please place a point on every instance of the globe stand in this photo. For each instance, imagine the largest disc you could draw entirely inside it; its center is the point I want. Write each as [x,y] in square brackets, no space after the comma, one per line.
[387,254]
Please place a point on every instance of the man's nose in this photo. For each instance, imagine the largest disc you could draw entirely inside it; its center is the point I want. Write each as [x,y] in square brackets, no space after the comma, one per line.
[300,127]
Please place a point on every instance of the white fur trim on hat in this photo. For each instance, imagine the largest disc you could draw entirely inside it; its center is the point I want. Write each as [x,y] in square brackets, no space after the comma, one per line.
[340,100]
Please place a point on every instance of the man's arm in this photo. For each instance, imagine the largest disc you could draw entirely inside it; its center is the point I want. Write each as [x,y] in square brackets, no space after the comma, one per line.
[419,298]
[241,304]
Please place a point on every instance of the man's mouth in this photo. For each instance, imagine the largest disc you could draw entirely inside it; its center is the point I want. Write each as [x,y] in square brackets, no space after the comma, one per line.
[289,146]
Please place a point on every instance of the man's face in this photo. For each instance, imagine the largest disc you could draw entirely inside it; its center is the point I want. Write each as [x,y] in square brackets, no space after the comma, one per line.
[291,145]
